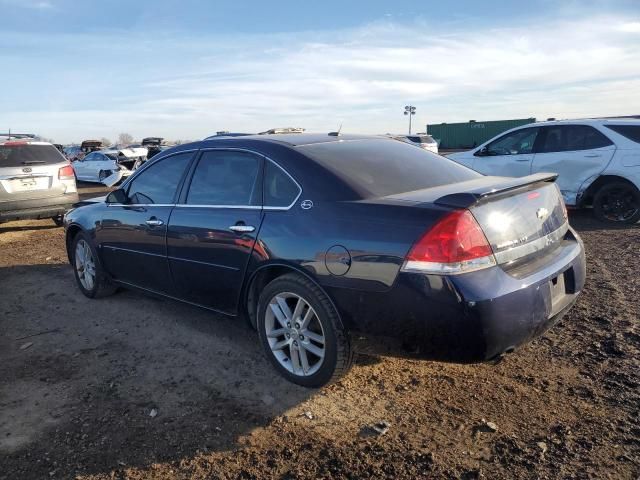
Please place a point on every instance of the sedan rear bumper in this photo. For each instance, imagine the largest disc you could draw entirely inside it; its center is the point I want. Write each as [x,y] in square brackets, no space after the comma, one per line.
[472,317]
[37,208]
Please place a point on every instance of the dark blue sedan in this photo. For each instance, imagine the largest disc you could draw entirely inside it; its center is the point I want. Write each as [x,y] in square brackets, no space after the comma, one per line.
[333,244]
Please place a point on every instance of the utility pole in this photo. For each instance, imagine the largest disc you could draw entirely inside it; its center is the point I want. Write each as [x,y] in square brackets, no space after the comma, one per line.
[410,110]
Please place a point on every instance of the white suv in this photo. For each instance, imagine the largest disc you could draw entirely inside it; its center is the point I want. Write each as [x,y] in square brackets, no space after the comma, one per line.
[36,180]
[598,161]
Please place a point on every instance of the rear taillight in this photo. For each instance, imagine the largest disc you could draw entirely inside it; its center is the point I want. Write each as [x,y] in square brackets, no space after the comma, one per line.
[66,173]
[456,244]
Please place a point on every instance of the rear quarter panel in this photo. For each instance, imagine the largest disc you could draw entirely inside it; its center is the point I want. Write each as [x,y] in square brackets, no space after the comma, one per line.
[371,243]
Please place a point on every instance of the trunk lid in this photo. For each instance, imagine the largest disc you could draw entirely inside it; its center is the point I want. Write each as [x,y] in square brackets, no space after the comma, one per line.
[519,216]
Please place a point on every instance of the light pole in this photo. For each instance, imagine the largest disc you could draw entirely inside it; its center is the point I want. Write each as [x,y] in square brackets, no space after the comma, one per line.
[410,110]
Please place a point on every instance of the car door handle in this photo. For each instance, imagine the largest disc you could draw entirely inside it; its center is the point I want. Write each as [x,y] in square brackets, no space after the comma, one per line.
[154,222]
[242,228]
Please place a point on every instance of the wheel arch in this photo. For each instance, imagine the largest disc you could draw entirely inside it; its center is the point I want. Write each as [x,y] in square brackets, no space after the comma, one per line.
[265,274]
[586,199]
[71,233]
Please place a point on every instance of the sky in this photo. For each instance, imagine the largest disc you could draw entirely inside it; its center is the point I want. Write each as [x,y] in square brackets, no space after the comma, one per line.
[72,70]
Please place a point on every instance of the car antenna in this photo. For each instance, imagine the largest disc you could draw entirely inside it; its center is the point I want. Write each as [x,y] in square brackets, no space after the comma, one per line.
[336,134]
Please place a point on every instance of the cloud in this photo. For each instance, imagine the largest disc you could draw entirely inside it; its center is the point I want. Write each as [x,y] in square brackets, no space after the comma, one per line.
[187,88]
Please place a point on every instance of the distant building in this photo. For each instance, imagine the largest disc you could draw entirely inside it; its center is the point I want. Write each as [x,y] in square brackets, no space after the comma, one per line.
[472,133]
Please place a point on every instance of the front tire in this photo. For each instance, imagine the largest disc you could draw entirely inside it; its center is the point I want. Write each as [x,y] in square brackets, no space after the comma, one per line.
[301,333]
[617,202]
[90,276]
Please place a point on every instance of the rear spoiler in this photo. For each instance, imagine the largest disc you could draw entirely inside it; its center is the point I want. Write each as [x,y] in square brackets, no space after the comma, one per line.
[489,187]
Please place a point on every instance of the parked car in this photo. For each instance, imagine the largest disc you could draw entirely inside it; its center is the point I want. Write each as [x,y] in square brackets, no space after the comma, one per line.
[154,145]
[73,152]
[331,245]
[421,140]
[99,165]
[36,181]
[598,161]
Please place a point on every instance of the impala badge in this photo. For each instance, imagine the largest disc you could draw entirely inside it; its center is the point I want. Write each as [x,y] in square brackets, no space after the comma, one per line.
[542,213]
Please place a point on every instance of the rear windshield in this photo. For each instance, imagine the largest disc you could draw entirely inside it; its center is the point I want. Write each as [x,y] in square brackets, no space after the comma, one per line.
[380,167]
[25,154]
[632,132]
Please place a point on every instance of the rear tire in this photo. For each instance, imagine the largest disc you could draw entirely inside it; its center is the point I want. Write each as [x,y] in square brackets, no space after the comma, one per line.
[305,342]
[617,202]
[90,276]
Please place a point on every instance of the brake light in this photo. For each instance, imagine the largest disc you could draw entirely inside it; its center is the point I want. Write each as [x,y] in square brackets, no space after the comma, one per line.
[66,173]
[456,244]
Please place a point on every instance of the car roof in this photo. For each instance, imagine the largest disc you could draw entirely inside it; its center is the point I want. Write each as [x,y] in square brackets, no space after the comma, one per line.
[294,139]
[589,121]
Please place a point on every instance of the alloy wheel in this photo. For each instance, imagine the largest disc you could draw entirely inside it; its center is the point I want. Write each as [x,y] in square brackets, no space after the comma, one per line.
[85,265]
[619,204]
[295,334]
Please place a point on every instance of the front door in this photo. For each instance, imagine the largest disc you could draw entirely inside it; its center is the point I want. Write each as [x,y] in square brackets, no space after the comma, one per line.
[213,229]
[132,236]
[508,156]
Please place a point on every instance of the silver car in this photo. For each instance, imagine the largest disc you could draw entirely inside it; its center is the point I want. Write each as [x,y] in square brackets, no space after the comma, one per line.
[36,180]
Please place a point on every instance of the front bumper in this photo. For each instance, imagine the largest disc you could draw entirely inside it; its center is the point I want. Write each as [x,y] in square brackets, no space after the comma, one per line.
[472,317]
[37,208]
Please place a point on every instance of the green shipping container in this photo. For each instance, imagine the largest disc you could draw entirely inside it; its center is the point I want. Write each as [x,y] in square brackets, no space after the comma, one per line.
[471,134]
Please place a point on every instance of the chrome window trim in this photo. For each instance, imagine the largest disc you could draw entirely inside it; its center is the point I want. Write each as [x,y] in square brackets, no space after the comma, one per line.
[134,205]
[244,207]
[185,205]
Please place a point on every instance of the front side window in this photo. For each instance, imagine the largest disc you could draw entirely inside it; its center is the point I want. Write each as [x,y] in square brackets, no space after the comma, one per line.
[567,138]
[279,189]
[226,178]
[158,183]
[514,143]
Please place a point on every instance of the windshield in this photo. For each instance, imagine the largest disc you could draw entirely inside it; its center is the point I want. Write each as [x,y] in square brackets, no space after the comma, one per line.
[18,155]
[379,167]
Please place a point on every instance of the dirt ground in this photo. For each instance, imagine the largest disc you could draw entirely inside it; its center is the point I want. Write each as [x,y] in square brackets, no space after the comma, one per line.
[81,380]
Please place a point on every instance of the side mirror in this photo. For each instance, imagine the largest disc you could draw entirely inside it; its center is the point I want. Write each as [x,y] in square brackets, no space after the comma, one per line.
[117,196]
[483,152]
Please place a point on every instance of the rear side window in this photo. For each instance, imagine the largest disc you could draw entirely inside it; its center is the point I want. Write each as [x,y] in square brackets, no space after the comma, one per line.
[279,189]
[380,167]
[158,182]
[567,138]
[225,178]
[19,155]
[632,132]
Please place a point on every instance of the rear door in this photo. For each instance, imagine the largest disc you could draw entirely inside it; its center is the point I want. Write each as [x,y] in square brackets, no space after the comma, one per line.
[132,236]
[510,155]
[575,152]
[213,229]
